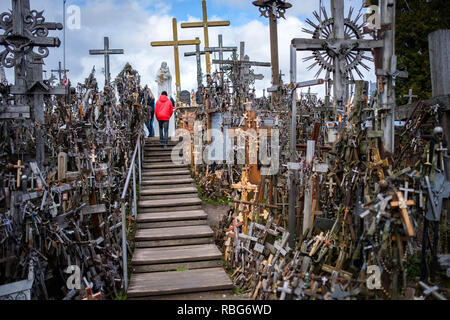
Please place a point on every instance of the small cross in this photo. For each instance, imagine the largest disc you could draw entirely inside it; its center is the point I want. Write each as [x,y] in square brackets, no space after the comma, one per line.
[235,227]
[60,71]
[403,204]
[330,185]
[90,296]
[284,290]
[410,96]
[19,168]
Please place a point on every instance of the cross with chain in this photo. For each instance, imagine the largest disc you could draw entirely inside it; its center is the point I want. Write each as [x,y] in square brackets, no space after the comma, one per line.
[106,52]
[205,24]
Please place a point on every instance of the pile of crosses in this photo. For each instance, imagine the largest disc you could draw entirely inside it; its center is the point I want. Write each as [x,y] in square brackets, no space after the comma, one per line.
[64,164]
[356,209]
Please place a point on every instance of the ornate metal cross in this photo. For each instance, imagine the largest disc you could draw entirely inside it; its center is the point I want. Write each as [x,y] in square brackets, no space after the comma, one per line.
[273,9]
[106,52]
[175,43]
[337,46]
[205,24]
[197,54]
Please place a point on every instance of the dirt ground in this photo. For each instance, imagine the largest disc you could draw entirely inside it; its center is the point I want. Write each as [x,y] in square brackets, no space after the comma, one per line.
[215,213]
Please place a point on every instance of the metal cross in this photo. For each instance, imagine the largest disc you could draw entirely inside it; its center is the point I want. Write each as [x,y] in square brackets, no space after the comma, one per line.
[205,24]
[106,52]
[221,49]
[60,71]
[175,43]
[197,54]
[410,96]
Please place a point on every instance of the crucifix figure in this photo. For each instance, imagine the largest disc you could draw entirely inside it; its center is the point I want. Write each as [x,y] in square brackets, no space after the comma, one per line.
[410,96]
[175,43]
[273,9]
[106,52]
[221,49]
[197,54]
[205,24]
[60,71]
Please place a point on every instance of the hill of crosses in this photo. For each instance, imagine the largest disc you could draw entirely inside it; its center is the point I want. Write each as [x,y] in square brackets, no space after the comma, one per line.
[219,176]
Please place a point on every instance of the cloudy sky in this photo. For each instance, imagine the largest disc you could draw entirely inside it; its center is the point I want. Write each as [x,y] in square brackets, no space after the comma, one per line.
[133,24]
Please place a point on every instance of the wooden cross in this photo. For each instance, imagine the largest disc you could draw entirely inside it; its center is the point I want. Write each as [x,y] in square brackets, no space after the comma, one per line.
[90,296]
[197,53]
[205,24]
[60,71]
[175,43]
[403,204]
[410,96]
[330,185]
[19,168]
[245,187]
[106,52]
[284,290]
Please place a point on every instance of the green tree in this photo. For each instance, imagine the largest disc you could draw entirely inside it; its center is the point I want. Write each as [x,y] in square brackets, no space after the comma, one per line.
[415,20]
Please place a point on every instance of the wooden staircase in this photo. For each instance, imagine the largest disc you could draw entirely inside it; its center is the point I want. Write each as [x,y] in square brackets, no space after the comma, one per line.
[173,234]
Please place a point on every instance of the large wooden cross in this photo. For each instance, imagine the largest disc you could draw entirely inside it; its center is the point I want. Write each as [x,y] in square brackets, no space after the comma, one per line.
[205,24]
[106,52]
[175,43]
[197,54]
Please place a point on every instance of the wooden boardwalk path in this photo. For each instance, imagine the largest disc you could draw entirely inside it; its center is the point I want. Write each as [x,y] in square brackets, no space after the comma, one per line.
[172,235]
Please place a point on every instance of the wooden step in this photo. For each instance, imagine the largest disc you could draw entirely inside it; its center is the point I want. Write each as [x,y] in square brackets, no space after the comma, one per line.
[163,165]
[158,159]
[157,149]
[162,191]
[152,154]
[172,178]
[171,243]
[171,216]
[174,233]
[166,283]
[171,224]
[170,202]
[157,173]
[151,186]
[167,181]
[176,254]
[169,209]
[169,196]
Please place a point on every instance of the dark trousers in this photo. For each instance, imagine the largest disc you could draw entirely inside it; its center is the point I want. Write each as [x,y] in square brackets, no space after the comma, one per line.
[149,125]
[164,132]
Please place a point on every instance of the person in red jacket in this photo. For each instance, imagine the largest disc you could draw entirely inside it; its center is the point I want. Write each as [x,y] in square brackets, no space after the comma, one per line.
[163,112]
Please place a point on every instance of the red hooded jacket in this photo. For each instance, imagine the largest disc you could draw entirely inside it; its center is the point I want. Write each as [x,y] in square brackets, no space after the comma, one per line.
[163,109]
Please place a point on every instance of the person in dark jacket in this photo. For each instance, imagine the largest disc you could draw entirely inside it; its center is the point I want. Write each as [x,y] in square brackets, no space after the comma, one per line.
[149,102]
[163,112]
